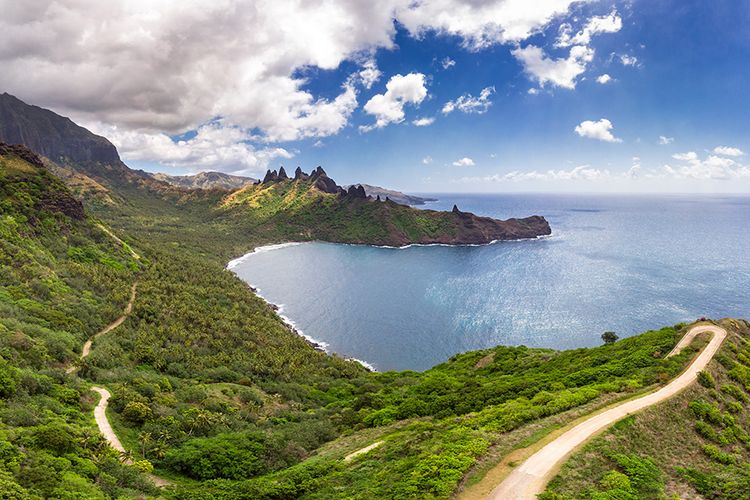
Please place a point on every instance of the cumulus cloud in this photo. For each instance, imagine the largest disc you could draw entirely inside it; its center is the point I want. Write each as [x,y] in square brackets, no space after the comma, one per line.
[169,67]
[481,23]
[580,173]
[467,103]
[600,130]
[464,162]
[423,122]
[664,140]
[728,151]
[604,24]
[710,168]
[214,147]
[603,79]
[562,72]
[426,160]
[388,108]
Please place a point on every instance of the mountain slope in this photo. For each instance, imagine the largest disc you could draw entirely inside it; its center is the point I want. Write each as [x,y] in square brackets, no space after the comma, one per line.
[61,277]
[314,207]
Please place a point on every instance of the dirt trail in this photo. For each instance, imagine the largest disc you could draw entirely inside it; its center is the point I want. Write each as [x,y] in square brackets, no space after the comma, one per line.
[531,477]
[87,346]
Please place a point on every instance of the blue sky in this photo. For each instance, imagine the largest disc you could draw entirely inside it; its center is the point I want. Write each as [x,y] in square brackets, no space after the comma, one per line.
[532,109]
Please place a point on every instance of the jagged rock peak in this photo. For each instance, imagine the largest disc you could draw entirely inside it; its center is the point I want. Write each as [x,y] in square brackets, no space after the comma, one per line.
[300,175]
[271,176]
[282,174]
[318,172]
[378,198]
[455,209]
[357,192]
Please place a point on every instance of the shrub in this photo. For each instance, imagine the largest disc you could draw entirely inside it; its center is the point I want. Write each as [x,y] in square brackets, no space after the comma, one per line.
[137,412]
[226,456]
[706,379]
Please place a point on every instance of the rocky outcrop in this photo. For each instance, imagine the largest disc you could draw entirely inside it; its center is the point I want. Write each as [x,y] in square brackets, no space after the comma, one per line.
[53,196]
[50,134]
[357,192]
[299,175]
[282,174]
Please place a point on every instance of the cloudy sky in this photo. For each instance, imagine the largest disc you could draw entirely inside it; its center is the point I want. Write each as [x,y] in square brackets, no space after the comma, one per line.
[422,95]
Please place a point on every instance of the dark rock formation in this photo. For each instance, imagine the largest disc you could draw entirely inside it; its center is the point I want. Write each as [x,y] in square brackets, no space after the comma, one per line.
[22,152]
[271,176]
[282,174]
[356,192]
[377,198]
[299,175]
[455,209]
[50,134]
[54,197]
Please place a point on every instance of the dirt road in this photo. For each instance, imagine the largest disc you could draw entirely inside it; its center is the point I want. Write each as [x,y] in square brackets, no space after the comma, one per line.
[531,477]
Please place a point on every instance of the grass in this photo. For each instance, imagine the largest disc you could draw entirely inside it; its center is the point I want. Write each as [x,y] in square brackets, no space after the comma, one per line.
[673,437]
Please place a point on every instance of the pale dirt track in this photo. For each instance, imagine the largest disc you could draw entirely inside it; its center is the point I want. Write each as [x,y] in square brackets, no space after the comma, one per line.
[87,346]
[531,477]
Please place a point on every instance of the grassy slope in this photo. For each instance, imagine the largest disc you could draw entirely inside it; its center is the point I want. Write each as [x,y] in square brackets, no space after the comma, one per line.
[60,279]
[696,445]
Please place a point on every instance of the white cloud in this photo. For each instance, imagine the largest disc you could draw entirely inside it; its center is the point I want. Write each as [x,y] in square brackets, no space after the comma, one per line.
[711,168]
[728,151]
[369,73]
[214,147]
[689,156]
[447,63]
[401,90]
[600,130]
[470,104]
[562,72]
[580,173]
[605,24]
[628,60]
[603,79]
[174,66]
[426,160]
[664,140]
[481,23]
[464,162]
[532,91]
[424,122]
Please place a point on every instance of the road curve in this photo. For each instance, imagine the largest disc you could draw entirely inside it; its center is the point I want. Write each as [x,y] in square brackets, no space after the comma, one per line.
[531,477]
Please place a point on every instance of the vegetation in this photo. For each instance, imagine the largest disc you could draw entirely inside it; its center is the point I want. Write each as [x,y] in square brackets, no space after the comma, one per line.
[695,444]
[214,391]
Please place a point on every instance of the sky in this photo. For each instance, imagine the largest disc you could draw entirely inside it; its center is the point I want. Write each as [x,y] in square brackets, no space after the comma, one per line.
[418,95]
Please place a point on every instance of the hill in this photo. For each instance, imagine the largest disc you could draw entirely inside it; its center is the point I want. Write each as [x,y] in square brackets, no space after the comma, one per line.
[206,180]
[313,206]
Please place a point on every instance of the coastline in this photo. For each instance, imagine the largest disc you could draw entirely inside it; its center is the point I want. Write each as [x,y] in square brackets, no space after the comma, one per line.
[292,326]
[316,344]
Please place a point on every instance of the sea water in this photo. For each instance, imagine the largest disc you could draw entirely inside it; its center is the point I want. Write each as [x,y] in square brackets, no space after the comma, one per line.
[620,263]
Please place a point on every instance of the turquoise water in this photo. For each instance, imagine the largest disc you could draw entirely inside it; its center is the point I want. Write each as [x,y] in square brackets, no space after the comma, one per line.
[626,264]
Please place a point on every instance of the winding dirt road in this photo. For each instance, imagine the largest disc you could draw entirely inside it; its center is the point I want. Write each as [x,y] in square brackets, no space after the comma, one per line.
[87,346]
[531,477]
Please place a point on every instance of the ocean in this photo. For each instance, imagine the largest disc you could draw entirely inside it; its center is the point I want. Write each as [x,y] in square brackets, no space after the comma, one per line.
[613,263]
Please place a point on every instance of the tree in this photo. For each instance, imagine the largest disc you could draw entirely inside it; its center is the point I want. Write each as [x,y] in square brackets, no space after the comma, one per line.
[609,337]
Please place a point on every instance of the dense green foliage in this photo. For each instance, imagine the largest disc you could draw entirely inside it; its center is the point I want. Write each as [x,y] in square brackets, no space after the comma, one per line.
[709,423]
[60,279]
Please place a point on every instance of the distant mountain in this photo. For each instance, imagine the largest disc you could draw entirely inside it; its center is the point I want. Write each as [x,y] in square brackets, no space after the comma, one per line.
[206,180]
[51,135]
[397,196]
